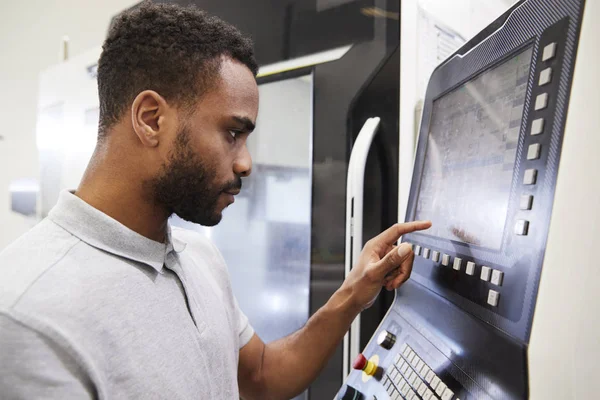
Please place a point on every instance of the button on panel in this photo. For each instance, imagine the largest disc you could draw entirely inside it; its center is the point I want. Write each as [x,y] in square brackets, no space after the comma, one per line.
[435,256]
[446,260]
[537,126]
[530,177]
[486,272]
[549,52]
[497,277]
[441,388]
[534,151]
[426,253]
[470,268]
[541,102]
[522,227]
[417,250]
[457,264]
[493,298]
[545,77]
[448,394]
[526,202]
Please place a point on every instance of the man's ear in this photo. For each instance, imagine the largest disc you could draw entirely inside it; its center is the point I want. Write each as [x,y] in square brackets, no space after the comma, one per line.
[148,117]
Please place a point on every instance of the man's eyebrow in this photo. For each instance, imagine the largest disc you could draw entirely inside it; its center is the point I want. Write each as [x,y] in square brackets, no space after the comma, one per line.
[247,122]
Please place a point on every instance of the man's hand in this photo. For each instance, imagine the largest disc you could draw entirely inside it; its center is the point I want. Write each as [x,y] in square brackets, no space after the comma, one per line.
[284,368]
[382,263]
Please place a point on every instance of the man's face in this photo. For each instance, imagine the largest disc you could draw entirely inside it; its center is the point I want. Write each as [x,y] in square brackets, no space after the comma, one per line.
[209,156]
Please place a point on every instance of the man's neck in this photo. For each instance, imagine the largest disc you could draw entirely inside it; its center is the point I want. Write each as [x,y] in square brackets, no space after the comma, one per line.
[121,197]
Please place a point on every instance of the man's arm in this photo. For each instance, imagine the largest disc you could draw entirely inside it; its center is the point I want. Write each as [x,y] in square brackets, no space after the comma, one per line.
[284,368]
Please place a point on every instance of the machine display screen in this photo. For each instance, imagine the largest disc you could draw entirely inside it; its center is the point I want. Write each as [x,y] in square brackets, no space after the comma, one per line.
[470,157]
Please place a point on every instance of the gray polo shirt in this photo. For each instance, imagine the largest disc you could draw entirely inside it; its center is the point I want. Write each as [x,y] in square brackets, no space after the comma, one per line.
[91,309]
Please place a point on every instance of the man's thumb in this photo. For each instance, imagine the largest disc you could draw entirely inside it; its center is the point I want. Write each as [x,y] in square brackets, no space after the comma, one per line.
[396,257]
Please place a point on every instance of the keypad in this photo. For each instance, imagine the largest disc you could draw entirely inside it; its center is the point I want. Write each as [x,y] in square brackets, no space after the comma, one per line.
[409,377]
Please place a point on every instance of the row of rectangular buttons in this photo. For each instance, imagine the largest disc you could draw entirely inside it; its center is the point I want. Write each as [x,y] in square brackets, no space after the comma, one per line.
[534,151]
[488,274]
[458,263]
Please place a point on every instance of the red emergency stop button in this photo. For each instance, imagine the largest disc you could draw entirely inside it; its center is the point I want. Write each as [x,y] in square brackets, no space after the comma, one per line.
[361,363]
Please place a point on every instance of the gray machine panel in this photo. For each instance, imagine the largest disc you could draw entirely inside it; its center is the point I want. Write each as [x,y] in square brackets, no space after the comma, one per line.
[485,174]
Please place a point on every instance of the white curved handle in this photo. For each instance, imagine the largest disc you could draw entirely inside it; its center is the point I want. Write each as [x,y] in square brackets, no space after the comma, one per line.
[354,225]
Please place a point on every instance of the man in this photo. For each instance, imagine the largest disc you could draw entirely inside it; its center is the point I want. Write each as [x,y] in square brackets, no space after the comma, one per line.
[102,299]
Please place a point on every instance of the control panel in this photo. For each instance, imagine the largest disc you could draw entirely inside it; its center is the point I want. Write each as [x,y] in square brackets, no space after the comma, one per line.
[485,174]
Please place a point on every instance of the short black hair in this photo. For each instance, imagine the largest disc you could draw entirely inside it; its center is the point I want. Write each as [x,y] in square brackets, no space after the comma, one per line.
[171,49]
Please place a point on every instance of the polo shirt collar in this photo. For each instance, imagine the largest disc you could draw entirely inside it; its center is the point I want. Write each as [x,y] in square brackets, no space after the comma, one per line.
[103,232]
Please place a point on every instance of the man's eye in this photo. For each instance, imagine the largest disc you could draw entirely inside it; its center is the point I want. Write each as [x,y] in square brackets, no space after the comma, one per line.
[233,134]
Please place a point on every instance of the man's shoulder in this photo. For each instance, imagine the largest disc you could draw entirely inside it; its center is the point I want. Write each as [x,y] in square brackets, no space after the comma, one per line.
[27,259]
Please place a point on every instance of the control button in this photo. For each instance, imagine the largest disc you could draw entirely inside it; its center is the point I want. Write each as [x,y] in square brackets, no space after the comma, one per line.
[457,264]
[447,395]
[530,177]
[428,395]
[411,395]
[435,256]
[486,272]
[361,363]
[419,366]
[429,377]
[406,351]
[390,389]
[397,378]
[526,202]
[410,356]
[411,377]
[537,126]
[497,277]
[534,151]
[396,395]
[445,260]
[418,382]
[404,389]
[424,371]
[549,52]
[349,393]
[404,367]
[493,298]
[421,389]
[436,382]
[417,250]
[541,102]
[426,253]
[545,77]
[441,388]
[397,358]
[470,268]
[522,227]
[402,383]
[386,340]
[415,360]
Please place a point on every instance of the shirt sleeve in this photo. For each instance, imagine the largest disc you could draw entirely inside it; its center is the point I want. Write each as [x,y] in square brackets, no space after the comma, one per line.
[35,367]
[245,330]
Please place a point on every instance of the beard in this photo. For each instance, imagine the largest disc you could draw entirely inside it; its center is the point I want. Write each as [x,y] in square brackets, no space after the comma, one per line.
[186,185]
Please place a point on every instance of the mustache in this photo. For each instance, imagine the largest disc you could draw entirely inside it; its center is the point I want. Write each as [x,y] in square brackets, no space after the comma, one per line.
[234,185]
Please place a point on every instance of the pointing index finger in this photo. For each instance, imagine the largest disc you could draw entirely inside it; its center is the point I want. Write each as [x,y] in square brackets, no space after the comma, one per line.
[391,235]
